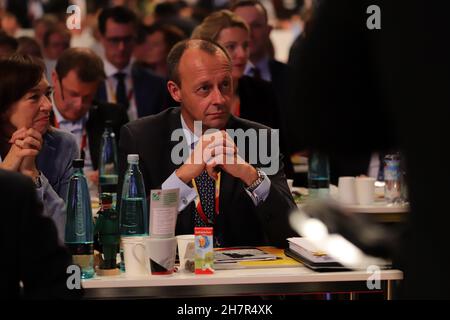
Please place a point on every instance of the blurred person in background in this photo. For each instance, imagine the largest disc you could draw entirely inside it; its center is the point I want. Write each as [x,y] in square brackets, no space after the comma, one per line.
[42,25]
[142,93]
[37,264]
[56,40]
[9,24]
[364,89]
[29,46]
[170,13]
[154,44]
[27,143]
[8,45]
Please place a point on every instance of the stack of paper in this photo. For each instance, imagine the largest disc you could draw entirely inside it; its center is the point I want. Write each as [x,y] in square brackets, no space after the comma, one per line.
[306,252]
[269,257]
[225,255]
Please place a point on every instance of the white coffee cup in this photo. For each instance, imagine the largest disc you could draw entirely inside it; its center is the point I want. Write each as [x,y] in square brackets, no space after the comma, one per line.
[161,254]
[346,190]
[184,241]
[365,190]
[136,263]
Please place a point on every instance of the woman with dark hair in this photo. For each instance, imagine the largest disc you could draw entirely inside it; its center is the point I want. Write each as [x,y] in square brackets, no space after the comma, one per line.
[27,144]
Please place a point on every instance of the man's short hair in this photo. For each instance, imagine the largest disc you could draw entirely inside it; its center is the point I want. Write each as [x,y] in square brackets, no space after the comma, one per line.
[8,41]
[175,55]
[87,65]
[171,33]
[249,3]
[54,30]
[118,14]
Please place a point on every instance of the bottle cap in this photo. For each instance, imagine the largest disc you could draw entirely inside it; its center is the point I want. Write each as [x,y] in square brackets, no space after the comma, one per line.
[78,163]
[133,158]
[105,198]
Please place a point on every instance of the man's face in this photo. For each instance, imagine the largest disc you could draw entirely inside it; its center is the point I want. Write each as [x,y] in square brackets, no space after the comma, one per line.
[206,88]
[157,48]
[118,41]
[259,29]
[57,43]
[73,97]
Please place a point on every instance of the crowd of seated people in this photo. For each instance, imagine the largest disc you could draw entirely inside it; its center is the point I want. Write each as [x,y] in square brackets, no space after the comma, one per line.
[59,86]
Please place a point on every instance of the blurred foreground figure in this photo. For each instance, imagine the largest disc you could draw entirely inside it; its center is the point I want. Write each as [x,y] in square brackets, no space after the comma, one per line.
[30,245]
[359,89]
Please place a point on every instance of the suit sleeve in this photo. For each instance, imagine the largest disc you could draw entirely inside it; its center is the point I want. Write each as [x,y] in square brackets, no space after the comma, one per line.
[275,210]
[54,206]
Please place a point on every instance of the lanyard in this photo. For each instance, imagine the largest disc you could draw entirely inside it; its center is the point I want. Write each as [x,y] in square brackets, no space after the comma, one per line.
[83,137]
[198,203]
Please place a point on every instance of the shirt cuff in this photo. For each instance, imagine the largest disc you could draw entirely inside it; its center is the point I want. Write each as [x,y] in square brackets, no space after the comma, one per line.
[187,194]
[261,193]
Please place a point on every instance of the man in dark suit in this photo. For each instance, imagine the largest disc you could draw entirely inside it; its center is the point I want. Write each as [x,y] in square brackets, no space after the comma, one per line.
[245,205]
[264,67]
[29,244]
[77,75]
[141,92]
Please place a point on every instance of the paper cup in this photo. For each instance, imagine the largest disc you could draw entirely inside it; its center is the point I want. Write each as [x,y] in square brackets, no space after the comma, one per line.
[346,190]
[161,254]
[365,190]
[184,241]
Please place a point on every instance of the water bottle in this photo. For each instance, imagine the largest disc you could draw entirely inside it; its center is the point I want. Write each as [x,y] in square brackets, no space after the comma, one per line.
[108,168]
[79,231]
[392,178]
[318,175]
[133,205]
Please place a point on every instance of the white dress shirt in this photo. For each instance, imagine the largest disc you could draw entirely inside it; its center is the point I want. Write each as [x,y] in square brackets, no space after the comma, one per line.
[77,128]
[262,65]
[111,85]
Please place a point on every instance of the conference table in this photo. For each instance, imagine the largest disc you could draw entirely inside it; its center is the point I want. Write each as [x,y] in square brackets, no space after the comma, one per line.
[242,282]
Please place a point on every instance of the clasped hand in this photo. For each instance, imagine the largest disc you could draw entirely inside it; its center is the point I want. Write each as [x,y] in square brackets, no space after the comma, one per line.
[25,146]
[213,152]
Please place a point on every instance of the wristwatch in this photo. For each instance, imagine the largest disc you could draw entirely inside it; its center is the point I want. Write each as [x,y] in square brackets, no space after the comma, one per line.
[255,184]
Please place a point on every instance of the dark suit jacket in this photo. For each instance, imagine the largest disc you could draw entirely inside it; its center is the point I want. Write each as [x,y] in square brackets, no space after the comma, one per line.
[280,77]
[150,92]
[29,243]
[259,104]
[239,221]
